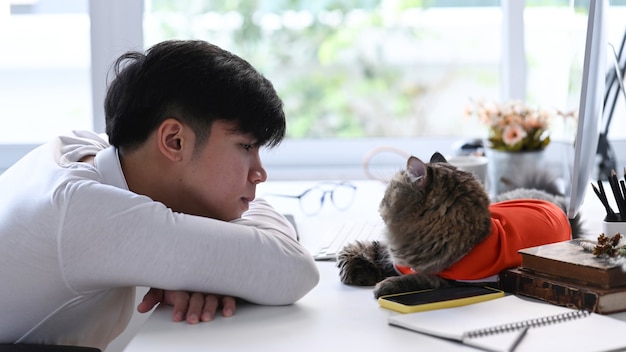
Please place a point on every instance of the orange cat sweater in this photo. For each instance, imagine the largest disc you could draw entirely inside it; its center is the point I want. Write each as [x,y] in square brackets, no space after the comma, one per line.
[515,224]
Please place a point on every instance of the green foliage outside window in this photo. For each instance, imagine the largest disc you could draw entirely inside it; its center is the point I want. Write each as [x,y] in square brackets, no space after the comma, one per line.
[327,59]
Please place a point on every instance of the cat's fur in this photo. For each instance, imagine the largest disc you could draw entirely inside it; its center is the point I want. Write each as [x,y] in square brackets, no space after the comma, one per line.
[434,215]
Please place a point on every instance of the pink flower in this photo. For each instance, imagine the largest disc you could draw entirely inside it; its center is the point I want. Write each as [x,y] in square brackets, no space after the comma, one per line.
[513,134]
[513,125]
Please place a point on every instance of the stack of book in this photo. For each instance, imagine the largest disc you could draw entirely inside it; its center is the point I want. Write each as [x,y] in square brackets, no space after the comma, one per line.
[565,274]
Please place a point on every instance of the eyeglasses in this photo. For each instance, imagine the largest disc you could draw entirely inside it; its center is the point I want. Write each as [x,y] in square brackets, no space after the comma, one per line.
[311,201]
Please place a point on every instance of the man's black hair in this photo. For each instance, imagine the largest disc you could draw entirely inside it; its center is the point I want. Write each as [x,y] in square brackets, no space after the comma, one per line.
[196,83]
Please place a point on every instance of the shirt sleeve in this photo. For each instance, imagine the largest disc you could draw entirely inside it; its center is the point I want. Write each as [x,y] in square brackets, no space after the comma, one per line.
[261,212]
[113,238]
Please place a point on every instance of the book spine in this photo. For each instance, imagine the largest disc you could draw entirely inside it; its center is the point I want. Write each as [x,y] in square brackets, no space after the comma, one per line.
[550,291]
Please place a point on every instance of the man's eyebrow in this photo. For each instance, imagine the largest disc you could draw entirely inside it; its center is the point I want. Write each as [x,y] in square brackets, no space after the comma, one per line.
[248,135]
[234,130]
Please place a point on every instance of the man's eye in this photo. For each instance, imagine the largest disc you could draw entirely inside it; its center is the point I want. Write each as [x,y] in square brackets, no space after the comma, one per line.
[247,146]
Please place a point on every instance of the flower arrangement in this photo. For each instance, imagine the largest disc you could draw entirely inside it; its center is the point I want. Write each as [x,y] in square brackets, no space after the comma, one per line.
[514,126]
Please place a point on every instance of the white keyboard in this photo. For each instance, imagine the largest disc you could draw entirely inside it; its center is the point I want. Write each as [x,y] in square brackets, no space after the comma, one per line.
[334,240]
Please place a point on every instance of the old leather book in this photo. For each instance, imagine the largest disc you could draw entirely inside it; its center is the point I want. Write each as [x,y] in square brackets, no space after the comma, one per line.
[568,260]
[563,292]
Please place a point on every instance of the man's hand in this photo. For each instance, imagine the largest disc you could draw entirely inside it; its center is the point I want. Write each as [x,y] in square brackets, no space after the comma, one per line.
[192,307]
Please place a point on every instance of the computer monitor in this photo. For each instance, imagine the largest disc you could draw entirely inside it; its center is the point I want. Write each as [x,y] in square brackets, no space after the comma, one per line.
[614,89]
[590,106]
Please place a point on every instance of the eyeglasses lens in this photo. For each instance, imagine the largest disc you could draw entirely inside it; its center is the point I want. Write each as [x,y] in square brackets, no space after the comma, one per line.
[311,202]
[342,196]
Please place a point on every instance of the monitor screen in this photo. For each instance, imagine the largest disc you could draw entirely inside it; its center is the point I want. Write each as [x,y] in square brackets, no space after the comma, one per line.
[590,106]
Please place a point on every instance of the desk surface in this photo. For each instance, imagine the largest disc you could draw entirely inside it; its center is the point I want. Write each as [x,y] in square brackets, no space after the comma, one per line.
[332,315]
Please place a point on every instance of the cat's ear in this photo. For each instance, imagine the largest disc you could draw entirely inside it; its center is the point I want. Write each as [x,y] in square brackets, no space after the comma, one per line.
[438,158]
[415,169]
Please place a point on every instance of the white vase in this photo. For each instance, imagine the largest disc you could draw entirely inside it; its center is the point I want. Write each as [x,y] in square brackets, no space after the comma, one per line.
[506,166]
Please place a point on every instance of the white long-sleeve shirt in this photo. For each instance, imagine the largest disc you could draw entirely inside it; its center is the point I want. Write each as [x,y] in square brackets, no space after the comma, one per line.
[74,243]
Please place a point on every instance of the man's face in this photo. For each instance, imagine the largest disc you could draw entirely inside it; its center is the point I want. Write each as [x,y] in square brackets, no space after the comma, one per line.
[220,178]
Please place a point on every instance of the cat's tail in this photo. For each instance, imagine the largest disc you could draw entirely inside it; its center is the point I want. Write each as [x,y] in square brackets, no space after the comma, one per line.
[543,185]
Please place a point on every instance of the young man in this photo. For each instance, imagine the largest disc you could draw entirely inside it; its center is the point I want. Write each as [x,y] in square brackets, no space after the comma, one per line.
[169,205]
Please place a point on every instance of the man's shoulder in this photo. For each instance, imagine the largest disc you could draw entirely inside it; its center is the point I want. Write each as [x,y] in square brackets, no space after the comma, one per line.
[79,145]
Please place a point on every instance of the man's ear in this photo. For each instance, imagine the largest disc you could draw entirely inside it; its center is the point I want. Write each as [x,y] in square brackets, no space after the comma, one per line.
[171,139]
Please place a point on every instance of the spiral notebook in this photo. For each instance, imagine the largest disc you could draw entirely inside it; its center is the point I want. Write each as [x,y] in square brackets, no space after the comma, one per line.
[515,323]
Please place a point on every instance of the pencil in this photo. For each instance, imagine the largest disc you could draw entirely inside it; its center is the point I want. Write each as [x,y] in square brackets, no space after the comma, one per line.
[620,195]
[519,338]
[602,192]
[617,193]
[623,187]
[610,214]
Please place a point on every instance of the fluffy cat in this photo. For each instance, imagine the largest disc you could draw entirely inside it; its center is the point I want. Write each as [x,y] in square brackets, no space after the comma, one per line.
[435,215]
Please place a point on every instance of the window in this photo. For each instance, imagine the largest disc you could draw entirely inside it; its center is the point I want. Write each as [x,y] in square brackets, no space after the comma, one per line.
[45,77]
[357,68]
[385,68]
[353,74]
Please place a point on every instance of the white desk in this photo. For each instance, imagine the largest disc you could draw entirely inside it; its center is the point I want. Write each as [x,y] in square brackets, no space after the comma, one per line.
[332,316]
